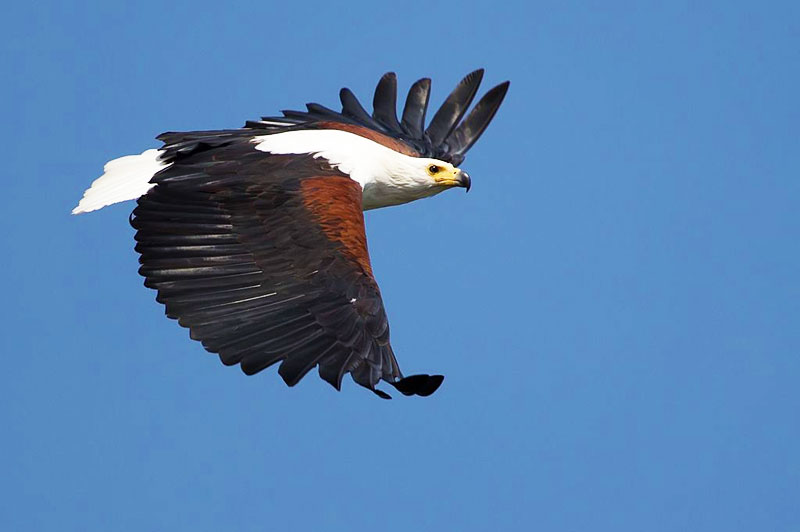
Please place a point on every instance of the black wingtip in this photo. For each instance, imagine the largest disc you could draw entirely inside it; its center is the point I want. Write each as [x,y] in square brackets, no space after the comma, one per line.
[416,106]
[476,122]
[454,107]
[422,385]
[381,394]
[352,108]
[384,103]
[451,132]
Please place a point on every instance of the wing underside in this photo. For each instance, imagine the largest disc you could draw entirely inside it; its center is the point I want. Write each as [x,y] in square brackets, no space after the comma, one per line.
[264,259]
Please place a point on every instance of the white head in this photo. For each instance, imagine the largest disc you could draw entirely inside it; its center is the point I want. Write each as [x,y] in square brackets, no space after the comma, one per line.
[386,176]
[411,178]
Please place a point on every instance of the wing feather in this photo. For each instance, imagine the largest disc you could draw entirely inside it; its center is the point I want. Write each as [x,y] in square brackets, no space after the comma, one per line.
[416,105]
[454,107]
[384,103]
[444,137]
[352,107]
[468,132]
[270,267]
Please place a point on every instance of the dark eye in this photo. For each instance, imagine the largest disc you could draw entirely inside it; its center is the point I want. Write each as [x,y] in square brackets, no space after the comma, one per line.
[433,169]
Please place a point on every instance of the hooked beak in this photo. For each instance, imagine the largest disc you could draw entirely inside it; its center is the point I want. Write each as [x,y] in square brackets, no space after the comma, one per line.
[457,178]
[464,180]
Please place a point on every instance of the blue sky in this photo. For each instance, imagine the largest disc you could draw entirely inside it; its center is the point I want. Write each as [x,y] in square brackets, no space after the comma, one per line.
[615,304]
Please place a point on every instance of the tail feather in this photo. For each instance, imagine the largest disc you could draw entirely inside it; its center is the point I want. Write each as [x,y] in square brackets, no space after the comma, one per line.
[123,179]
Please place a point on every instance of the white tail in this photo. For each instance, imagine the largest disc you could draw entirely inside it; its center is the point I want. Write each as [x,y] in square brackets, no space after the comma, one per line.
[124,179]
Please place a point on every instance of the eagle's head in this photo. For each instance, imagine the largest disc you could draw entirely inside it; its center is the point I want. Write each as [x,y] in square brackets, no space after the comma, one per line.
[445,175]
[401,179]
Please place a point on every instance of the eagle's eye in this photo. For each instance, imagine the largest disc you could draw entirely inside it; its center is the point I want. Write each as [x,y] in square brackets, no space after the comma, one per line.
[433,169]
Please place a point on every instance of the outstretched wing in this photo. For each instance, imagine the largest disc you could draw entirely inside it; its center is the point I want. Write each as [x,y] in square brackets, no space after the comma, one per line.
[447,137]
[264,258]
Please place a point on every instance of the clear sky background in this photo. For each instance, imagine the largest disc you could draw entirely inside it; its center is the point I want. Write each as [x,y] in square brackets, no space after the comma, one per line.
[615,304]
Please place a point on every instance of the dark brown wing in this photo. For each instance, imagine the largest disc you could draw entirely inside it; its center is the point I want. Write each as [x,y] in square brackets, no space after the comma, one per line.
[447,137]
[264,258]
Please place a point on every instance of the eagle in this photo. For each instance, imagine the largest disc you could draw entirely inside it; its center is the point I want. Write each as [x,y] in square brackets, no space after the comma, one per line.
[254,237]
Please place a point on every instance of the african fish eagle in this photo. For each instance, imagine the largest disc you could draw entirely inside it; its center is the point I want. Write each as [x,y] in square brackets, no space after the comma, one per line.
[254,237]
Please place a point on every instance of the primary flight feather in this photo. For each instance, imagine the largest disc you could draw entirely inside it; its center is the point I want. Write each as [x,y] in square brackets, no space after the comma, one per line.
[254,237]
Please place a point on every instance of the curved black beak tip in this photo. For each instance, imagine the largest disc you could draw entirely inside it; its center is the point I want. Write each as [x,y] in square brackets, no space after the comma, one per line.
[466,182]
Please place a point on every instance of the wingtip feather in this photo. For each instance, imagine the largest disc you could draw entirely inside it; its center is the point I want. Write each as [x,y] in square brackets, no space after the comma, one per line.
[454,107]
[469,131]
